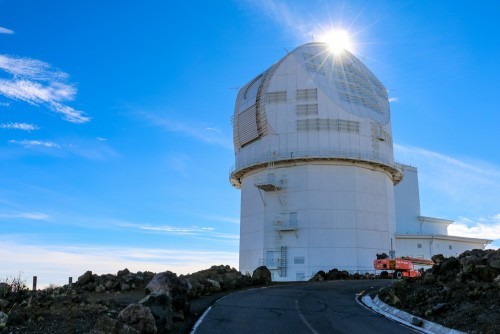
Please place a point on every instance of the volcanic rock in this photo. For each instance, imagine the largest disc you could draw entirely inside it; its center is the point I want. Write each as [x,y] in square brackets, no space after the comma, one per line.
[139,317]
[262,275]
[123,272]
[85,278]
[494,259]
[160,306]
[168,282]
[3,319]
[107,325]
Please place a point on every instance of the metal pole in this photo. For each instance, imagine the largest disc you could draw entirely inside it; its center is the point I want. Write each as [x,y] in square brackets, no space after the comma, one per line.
[34,283]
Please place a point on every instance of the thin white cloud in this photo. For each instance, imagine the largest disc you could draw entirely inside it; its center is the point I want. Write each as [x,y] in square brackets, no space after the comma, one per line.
[213,129]
[4,104]
[6,31]
[33,69]
[34,143]
[101,139]
[289,18]
[485,228]
[298,21]
[223,219]
[191,130]
[19,126]
[88,149]
[54,264]
[37,83]
[177,230]
[205,232]
[393,99]
[25,215]
[192,231]
[180,164]
[453,187]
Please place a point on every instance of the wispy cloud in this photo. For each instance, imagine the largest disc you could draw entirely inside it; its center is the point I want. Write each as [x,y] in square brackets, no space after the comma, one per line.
[37,83]
[54,264]
[289,18]
[456,187]
[223,219]
[19,126]
[180,164]
[486,228]
[300,22]
[192,231]
[213,129]
[199,132]
[6,31]
[25,215]
[466,190]
[90,149]
[205,232]
[34,143]
[393,99]
[4,104]
[178,230]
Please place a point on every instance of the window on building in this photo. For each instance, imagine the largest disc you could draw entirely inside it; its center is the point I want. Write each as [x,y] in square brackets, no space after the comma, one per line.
[299,260]
[300,276]
[449,247]
[419,245]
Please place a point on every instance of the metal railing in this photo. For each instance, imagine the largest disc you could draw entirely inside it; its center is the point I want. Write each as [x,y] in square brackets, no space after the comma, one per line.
[277,156]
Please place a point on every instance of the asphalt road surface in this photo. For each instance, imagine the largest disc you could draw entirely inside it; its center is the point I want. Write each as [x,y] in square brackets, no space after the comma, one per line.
[320,307]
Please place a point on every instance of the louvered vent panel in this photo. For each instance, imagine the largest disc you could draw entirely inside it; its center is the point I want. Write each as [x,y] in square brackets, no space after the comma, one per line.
[307,94]
[276,97]
[327,125]
[307,109]
[247,126]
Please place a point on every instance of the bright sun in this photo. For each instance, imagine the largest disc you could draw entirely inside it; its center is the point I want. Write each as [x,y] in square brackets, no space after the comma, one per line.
[338,40]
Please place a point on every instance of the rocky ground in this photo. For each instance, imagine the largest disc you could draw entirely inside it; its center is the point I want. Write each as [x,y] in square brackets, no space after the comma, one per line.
[127,302]
[462,293]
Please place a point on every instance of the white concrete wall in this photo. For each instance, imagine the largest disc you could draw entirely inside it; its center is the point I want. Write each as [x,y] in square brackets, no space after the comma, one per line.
[434,228]
[345,216]
[426,246]
[407,201]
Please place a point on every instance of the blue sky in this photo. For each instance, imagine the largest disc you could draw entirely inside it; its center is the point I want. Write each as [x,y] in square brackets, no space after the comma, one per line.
[115,133]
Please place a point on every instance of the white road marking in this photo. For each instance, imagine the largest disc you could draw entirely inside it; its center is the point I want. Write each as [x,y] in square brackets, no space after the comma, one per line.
[195,327]
[304,320]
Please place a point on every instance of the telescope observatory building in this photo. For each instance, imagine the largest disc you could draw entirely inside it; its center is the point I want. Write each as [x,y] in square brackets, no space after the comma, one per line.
[315,165]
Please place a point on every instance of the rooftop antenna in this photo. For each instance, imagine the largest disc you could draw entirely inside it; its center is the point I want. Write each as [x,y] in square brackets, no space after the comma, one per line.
[287,52]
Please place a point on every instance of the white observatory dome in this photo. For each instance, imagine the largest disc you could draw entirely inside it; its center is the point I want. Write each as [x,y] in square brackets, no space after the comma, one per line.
[313,104]
[315,165]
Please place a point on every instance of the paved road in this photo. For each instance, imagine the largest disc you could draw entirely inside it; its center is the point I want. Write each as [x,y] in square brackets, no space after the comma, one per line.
[322,307]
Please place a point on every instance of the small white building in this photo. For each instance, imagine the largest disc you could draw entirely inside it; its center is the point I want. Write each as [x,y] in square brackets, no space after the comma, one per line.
[421,236]
[315,165]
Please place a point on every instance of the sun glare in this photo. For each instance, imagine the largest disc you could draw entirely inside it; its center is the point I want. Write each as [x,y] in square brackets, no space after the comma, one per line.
[338,40]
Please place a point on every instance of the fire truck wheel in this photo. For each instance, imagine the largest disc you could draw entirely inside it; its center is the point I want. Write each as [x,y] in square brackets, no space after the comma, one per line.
[398,274]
